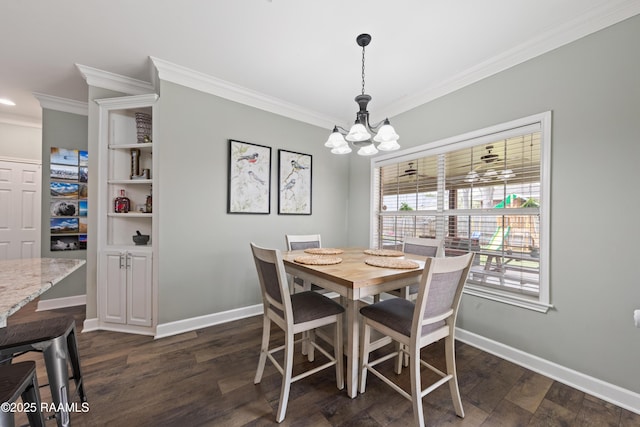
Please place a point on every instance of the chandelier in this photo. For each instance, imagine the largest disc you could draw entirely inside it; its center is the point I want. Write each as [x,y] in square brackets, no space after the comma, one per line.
[360,134]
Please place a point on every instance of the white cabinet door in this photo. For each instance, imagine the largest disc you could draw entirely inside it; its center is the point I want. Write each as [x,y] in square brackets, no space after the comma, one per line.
[114,287]
[126,287]
[139,288]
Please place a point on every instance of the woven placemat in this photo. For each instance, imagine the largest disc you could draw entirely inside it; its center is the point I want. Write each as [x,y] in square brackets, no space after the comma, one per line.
[383,252]
[324,251]
[392,263]
[317,260]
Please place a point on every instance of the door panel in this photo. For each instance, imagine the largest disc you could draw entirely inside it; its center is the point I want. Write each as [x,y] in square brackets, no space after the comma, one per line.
[20,201]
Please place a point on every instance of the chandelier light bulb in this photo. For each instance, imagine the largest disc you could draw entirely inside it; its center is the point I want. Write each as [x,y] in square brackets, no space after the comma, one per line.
[343,149]
[358,133]
[335,139]
[367,150]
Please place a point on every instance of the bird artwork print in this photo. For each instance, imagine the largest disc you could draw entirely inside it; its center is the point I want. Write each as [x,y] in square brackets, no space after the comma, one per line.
[254,177]
[251,158]
[295,183]
[249,178]
[289,185]
[298,166]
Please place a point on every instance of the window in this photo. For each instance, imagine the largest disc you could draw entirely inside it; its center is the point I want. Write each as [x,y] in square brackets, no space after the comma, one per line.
[487,192]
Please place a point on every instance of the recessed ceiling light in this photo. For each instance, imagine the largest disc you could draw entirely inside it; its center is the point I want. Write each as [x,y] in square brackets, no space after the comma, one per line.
[6,101]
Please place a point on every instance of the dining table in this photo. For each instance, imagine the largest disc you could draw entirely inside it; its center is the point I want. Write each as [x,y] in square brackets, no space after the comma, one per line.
[353,279]
[23,280]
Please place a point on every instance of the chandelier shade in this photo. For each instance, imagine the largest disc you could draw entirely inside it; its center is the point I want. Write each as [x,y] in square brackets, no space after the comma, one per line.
[363,134]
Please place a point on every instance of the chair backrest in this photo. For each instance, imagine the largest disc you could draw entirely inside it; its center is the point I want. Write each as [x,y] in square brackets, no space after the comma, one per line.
[273,283]
[439,294]
[297,242]
[423,246]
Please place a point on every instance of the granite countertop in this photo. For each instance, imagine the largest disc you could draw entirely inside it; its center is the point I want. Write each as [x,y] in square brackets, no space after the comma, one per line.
[23,280]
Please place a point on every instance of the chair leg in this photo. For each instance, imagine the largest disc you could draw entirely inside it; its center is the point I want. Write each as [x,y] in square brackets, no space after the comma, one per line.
[400,359]
[32,395]
[311,337]
[55,358]
[286,377]
[264,349]
[376,298]
[364,355]
[416,387]
[338,353]
[449,347]
[74,357]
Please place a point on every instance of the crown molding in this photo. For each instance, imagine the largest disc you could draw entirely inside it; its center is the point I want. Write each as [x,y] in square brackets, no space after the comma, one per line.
[115,82]
[62,104]
[17,120]
[224,89]
[595,20]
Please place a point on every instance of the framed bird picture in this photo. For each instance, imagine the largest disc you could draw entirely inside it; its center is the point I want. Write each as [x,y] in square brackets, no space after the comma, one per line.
[249,180]
[294,183]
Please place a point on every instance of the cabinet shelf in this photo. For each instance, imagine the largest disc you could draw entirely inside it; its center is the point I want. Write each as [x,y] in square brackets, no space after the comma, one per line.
[142,146]
[130,181]
[130,215]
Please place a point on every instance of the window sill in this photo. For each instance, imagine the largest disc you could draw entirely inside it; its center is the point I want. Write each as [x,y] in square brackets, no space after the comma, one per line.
[507,298]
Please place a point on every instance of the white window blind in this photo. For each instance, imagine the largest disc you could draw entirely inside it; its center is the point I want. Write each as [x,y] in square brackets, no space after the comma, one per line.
[485,192]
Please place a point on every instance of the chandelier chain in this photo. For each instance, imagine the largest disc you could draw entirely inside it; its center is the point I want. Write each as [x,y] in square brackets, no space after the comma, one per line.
[363,70]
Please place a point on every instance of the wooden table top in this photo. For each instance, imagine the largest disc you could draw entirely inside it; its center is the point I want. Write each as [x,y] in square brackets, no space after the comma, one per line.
[23,280]
[352,272]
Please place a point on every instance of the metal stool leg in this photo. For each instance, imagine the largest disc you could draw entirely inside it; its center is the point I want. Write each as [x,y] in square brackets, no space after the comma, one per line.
[55,358]
[7,419]
[32,395]
[74,358]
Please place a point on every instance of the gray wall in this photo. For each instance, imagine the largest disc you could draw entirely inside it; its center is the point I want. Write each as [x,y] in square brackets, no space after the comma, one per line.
[205,260]
[64,130]
[593,88]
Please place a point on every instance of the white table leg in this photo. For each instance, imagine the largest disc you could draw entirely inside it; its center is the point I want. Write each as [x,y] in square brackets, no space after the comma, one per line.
[353,341]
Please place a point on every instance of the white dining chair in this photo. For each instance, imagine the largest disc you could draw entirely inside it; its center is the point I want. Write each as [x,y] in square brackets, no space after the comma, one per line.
[416,325]
[293,313]
[419,246]
[298,242]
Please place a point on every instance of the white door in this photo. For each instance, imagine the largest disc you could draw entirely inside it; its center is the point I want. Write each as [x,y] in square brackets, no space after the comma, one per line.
[20,201]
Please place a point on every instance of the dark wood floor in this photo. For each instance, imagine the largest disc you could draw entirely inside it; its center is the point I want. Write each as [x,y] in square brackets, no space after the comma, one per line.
[205,378]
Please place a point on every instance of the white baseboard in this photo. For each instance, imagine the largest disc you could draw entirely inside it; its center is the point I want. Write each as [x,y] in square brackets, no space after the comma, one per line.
[611,393]
[178,327]
[55,303]
[90,325]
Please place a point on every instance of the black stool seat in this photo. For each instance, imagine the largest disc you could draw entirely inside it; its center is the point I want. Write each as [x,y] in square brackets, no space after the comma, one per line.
[56,339]
[20,380]
[28,333]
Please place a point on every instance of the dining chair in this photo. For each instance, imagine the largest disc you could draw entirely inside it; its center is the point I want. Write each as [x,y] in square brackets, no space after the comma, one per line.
[294,314]
[298,242]
[416,325]
[19,380]
[419,246]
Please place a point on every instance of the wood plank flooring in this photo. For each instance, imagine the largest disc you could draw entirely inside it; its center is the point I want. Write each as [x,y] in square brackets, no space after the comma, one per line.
[205,378]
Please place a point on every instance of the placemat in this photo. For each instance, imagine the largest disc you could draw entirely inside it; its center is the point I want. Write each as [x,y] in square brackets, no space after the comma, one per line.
[392,263]
[317,260]
[383,252]
[323,251]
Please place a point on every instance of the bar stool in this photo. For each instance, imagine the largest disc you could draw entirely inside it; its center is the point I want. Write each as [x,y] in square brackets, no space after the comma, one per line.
[20,380]
[56,339]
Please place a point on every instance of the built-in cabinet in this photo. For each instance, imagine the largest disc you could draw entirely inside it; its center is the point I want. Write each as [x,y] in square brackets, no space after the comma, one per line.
[127,278]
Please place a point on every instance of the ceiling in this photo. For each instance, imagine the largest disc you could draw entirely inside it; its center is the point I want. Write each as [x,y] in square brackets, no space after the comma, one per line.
[302,53]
